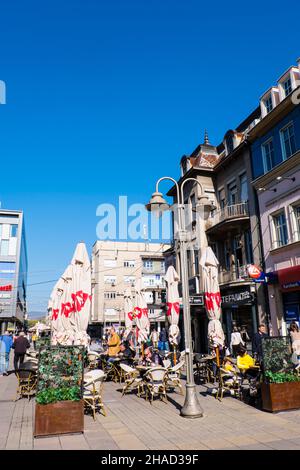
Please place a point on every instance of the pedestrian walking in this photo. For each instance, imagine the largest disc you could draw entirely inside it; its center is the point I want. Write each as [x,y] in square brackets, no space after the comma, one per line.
[154,338]
[163,340]
[236,341]
[20,346]
[257,341]
[295,338]
[34,339]
[8,342]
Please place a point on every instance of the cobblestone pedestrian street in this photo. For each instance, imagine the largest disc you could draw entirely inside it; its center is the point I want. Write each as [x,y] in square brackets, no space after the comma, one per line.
[132,423]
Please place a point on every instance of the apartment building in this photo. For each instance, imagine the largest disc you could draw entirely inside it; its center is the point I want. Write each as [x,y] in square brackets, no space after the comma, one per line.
[275,145]
[117,266]
[13,269]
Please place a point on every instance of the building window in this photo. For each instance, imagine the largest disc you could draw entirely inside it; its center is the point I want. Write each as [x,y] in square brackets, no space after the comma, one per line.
[268,104]
[248,247]
[13,230]
[288,141]
[109,295]
[287,86]
[110,280]
[281,236]
[129,280]
[129,264]
[296,213]
[232,193]
[268,155]
[110,263]
[4,245]
[229,144]
[244,188]
[222,200]
[148,265]
[163,266]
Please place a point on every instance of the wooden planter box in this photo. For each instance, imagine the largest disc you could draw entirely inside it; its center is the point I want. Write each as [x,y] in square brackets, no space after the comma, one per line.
[280,397]
[63,417]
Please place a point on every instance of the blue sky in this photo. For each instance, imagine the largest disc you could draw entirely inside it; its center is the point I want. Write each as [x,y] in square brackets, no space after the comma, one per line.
[103,97]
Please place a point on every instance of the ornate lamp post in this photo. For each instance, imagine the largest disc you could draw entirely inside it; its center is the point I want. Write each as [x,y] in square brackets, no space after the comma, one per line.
[191,407]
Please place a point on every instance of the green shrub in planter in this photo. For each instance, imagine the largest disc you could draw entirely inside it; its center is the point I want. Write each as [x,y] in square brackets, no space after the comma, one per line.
[60,374]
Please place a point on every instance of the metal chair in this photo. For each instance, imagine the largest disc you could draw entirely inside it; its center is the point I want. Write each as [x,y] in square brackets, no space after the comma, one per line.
[27,381]
[229,381]
[173,377]
[155,383]
[132,380]
[92,392]
[93,358]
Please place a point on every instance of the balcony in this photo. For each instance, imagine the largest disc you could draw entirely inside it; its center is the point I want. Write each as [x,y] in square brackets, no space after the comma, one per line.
[229,216]
[238,273]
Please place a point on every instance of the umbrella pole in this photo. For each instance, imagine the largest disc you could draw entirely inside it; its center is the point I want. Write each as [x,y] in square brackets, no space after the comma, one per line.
[218,356]
[142,350]
[174,352]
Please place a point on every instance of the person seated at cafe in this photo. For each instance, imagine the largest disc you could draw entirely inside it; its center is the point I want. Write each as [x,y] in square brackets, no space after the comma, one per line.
[228,365]
[113,345]
[127,353]
[246,363]
[152,357]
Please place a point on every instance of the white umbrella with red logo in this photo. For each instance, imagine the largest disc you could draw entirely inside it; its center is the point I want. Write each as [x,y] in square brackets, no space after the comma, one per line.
[81,294]
[141,314]
[209,264]
[128,310]
[54,306]
[65,335]
[173,304]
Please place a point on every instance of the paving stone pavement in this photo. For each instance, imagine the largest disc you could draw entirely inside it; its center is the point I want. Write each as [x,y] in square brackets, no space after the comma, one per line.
[132,423]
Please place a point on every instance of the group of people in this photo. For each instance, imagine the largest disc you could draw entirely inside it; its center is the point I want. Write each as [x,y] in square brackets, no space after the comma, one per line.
[121,349]
[20,344]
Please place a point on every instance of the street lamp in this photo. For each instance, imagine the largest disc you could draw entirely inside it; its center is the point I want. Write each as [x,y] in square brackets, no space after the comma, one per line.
[157,204]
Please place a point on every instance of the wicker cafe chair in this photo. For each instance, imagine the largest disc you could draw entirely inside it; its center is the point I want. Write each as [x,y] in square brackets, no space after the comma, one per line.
[93,358]
[92,391]
[132,380]
[173,377]
[155,382]
[27,380]
[167,363]
[229,381]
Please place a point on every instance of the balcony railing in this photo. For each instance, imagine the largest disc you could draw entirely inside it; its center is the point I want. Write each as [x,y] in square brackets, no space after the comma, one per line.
[238,273]
[230,212]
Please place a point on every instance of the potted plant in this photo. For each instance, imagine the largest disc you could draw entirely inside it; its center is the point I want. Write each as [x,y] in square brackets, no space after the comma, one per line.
[281,385]
[59,404]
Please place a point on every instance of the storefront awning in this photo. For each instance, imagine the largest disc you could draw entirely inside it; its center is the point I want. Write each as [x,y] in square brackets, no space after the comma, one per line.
[289,279]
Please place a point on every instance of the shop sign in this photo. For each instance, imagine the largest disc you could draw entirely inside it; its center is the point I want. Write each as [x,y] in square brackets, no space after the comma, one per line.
[197,300]
[291,285]
[6,288]
[234,297]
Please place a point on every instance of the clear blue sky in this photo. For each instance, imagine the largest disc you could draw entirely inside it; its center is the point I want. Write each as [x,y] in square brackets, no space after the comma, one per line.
[103,97]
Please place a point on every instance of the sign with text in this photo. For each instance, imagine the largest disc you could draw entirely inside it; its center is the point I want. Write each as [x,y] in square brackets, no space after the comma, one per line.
[237,297]
[197,300]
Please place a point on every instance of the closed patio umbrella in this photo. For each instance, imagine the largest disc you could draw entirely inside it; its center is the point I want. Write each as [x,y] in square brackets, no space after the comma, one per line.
[65,335]
[141,313]
[209,264]
[54,305]
[128,310]
[173,304]
[81,294]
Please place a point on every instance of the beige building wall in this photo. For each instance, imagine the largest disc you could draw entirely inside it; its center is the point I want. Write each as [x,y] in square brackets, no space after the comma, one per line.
[117,266]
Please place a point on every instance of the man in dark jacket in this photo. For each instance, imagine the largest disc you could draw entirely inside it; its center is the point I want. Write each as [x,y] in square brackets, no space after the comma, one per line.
[257,341]
[21,345]
[163,338]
